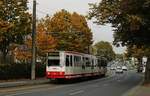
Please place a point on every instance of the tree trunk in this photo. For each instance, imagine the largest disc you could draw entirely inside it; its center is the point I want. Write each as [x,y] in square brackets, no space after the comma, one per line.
[147,71]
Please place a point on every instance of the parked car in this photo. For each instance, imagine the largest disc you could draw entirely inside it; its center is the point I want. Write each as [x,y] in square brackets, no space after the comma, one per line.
[119,69]
[139,68]
[124,68]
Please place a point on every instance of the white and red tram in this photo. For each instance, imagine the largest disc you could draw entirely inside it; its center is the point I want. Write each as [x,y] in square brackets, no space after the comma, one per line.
[68,65]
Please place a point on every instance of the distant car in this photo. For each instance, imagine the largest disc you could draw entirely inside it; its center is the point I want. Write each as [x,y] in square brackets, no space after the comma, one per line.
[119,69]
[112,68]
[124,68]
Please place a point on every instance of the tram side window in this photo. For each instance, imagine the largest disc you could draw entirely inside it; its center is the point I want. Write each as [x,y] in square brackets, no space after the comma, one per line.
[92,63]
[67,60]
[83,63]
[99,63]
[87,62]
[77,61]
[96,63]
[71,60]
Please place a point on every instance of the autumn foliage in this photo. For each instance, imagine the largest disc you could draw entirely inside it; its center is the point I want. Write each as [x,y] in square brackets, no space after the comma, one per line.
[62,31]
[44,42]
[70,29]
[15,24]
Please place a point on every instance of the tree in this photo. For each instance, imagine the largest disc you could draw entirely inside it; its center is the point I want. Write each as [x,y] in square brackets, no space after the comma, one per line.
[134,51]
[104,49]
[130,20]
[15,23]
[44,41]
[119,57]
[22,53]
[138,52]
[70,30]
[63,31]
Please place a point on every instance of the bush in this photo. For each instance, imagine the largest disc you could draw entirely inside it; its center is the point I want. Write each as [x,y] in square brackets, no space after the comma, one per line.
[20,70]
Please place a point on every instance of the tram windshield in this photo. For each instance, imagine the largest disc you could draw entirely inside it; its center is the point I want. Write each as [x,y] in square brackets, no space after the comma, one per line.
[53,62]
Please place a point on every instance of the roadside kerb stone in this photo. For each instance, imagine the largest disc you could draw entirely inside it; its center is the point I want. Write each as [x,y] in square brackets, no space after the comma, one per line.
[23,83]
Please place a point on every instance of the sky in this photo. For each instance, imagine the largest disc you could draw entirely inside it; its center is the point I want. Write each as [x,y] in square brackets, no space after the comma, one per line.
[100,33]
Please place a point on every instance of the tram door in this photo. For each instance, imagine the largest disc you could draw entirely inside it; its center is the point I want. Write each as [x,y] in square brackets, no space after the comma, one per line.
[69,64]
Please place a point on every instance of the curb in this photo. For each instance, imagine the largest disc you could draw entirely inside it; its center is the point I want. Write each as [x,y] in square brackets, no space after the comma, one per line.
[22,83]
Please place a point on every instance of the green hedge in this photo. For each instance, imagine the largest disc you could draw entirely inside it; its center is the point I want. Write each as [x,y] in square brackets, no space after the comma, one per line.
[17,70]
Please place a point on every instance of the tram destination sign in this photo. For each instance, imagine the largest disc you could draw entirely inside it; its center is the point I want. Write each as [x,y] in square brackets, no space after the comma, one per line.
[53,54]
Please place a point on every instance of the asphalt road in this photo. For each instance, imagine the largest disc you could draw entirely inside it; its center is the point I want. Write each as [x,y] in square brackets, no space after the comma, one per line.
[114,85]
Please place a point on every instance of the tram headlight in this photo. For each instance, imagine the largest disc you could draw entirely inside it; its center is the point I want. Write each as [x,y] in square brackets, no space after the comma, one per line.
[48,73]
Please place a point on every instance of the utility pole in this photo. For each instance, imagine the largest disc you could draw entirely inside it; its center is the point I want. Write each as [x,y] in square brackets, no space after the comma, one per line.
[33,41]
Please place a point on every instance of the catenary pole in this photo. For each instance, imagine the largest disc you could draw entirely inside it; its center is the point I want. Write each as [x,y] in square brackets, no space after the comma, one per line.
[33,41]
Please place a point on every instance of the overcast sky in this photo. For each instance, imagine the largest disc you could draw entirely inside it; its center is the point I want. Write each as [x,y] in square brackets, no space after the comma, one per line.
[80,6]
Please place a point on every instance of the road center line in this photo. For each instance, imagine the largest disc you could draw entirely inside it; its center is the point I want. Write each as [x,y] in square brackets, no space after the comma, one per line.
[77,92]
[105,84]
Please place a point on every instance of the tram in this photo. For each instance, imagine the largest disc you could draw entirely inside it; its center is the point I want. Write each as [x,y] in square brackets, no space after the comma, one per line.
[69,65]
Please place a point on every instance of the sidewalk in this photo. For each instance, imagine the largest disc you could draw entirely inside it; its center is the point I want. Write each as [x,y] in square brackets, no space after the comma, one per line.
[23,82]
[140,90]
